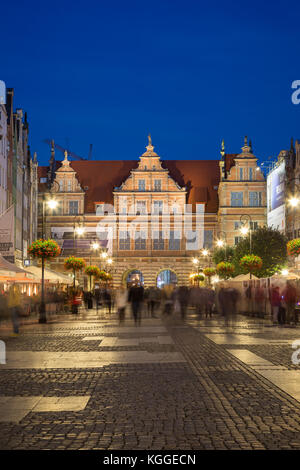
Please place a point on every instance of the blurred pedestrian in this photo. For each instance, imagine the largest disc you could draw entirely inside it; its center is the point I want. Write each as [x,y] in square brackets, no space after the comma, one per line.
[290,297]
[275,299]
[121,302]
[136,297]
[14,304]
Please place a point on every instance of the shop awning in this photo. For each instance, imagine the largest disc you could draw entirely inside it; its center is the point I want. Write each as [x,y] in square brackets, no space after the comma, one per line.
[49,275]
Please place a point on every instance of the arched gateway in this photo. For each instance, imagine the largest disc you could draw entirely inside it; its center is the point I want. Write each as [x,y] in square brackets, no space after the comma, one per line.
[165,277]
[131,276]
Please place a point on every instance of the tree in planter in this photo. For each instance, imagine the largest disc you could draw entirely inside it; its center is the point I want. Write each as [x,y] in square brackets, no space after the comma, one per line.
[225,269]
[92,271]
[223,254]
[209,272]
[43,249]
[251,263]
[197,278]
[267,243]
[74,264]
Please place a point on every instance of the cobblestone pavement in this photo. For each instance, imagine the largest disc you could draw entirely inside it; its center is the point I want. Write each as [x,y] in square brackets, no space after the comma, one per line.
[209,399]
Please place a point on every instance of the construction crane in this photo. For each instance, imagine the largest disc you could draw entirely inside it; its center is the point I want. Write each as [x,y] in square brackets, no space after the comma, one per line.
[63,149]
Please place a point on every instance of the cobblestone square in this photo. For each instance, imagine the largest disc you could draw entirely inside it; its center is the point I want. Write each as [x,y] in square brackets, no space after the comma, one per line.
[166,385]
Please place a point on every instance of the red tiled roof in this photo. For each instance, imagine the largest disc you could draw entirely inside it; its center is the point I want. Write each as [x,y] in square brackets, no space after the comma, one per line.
[99,178]
[229,160]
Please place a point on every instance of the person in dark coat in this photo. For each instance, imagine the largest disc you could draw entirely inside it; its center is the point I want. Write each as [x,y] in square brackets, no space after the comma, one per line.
[136,297]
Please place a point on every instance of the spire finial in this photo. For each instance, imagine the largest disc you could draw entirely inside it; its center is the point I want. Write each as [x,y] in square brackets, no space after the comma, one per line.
[246,140]
[223,148]
[66,155]
[250,145]
[149,146]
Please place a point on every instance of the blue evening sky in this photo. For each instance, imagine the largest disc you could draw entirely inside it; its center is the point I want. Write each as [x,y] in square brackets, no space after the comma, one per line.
[189,72]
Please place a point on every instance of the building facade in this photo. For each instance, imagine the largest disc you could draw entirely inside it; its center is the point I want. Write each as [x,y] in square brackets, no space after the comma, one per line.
[3,158]
[18,179]
[152,216]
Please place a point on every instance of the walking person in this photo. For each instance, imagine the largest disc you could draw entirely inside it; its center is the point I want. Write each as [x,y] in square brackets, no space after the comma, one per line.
[121,302]
[275,299]
[136,297]
[289,297]
[14,305]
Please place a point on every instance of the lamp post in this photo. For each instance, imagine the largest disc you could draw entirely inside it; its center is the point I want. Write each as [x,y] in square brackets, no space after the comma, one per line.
[79,231]
[221,242]
[246,219]
[51,204]
[294,201]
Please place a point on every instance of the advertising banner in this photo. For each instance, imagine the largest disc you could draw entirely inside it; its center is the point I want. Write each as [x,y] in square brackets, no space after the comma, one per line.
[276,198]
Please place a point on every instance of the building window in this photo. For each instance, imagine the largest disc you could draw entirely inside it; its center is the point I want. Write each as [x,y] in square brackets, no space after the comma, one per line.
[140,241]
[253,225]
[208,239]
[158,207]
[158,241]
[237,240]
[255,198]
[237,199]
[124,240]
[43,180]
[157,185]
[140,207]
[237,225]
[73,207]
[69,185]
[174,240]
[61,185]
[241,173]
[99,209]
[142,185]
[250,174]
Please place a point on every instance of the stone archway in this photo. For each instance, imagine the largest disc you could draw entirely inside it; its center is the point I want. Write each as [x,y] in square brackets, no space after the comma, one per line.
[132,275]
[166,276]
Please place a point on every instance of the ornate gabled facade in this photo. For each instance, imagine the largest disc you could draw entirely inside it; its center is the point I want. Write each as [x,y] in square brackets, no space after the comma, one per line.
[242,192]
[153,216]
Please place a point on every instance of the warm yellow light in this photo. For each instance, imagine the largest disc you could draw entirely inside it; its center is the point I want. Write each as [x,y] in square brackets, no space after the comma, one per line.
[284,272]
[52,204]
[220,243]
[244,230]
[104,254]
[95,246]
[294,201]
[109,261]
[215,279]
[195,261]
[205,252]
[80,230]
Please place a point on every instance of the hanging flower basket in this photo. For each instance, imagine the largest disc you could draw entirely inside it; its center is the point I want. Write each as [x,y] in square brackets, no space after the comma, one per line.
[225,269]
[104,276]
[251,263]
[44,249]
[92,271]
[197,277]
[75,264]
[209,272]
[293,247]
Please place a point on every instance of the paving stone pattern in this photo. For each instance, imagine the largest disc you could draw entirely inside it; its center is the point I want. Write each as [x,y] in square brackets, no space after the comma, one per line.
[212,400]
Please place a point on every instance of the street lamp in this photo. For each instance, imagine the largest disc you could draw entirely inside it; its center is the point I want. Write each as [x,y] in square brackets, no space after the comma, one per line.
[221,242]
[246,219]
[79,231]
